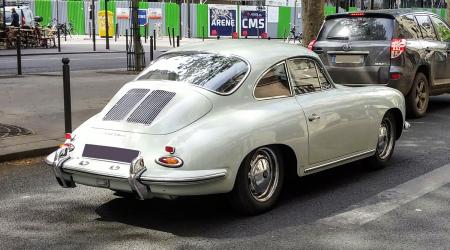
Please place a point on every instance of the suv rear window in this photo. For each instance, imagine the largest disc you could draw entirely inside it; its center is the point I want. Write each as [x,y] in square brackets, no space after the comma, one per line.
[357,29]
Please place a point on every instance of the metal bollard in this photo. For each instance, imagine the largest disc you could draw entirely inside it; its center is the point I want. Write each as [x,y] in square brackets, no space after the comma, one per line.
[151,48]
[59,38]
[145,33]
[67,100]
[218,37]
[173,36]
[117,32]
[126,40]
[154,39]
[203,33]
[178,41]
[19,54]
[170,40]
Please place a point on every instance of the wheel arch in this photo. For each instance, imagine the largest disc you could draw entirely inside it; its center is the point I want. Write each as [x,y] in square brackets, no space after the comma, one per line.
[426,70]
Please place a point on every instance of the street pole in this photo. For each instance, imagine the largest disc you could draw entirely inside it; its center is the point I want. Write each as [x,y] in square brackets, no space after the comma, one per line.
[337,6]
[189,19]
[19,53]
[107,24]
[93,23]
[371,4]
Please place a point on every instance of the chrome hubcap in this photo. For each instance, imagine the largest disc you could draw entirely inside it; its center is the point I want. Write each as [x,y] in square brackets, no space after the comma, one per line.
[385,140]
[263,174]
[421,95]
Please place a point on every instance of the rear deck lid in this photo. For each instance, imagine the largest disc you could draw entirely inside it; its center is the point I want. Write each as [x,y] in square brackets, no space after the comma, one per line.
[153,107]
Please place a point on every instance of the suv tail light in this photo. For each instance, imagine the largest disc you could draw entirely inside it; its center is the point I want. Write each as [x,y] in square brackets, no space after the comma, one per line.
[311,44]
[398,46]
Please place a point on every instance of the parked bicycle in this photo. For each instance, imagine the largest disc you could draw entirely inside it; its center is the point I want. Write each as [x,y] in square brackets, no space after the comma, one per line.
[65,28]
[294,37]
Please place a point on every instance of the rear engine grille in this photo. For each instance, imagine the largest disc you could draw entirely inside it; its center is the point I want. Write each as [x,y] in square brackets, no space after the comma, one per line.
[152,105]
[125,104]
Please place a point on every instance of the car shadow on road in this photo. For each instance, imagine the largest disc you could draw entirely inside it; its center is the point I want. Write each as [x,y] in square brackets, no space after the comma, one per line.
[438,103]
[303,200]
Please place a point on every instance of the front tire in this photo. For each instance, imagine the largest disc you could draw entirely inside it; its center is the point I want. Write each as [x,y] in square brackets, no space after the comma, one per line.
[258,182]
[419,96]
[386,143]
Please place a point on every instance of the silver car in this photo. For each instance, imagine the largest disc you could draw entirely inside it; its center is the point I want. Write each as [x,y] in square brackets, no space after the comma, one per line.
[231,117]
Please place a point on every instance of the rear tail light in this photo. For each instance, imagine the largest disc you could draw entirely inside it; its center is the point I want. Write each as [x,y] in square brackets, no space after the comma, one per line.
[398,46]
[311,44]
[68,142]
[395,76]
[169,161]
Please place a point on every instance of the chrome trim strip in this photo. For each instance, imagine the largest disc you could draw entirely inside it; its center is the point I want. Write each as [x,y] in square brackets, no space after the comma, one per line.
[340,160]
[184,181]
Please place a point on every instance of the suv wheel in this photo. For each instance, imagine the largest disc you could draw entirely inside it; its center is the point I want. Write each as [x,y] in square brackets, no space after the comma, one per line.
[418,97]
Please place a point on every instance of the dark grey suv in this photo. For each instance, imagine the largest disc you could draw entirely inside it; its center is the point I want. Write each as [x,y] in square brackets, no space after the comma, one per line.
[403,49]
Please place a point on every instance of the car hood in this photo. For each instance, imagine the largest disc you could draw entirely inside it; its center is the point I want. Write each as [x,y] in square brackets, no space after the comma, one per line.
[153,107]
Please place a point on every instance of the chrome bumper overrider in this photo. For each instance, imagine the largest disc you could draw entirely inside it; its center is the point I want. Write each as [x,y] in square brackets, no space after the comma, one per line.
[139,183]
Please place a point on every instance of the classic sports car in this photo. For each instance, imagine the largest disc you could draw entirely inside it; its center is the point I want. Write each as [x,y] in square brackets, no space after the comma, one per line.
[229,117]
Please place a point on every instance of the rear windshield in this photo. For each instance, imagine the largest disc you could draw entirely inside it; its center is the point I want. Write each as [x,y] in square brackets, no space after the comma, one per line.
[218,73]
[357,29]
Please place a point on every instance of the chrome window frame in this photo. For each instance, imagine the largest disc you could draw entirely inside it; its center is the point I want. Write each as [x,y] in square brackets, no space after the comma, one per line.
[264,73]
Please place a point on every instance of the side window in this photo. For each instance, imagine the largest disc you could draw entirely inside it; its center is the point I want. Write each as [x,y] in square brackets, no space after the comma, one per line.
[274,83]
[426,27]
[442,29]
[303,75]
[408,27]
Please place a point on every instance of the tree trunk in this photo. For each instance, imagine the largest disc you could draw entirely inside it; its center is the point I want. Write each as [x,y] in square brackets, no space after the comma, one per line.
[312,16]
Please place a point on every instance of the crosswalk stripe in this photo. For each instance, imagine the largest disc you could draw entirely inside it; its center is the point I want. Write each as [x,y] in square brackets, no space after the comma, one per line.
[390,199]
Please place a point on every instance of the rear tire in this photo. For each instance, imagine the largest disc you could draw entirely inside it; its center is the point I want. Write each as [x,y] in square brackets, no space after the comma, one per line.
[386,143]
[258,182]
[418,98]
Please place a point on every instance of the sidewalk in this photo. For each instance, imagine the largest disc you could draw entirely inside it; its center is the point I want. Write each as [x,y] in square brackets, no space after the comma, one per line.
[84,44]
[35,102]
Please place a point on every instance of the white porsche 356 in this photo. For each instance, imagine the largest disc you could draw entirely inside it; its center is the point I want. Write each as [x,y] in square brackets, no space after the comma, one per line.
[229,117]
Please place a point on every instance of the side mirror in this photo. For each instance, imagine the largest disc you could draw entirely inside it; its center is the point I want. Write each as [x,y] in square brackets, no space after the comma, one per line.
[38,19]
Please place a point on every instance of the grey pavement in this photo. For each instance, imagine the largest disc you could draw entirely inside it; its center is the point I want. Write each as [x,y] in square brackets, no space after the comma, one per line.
[84,44]
[36,213]
[35,102]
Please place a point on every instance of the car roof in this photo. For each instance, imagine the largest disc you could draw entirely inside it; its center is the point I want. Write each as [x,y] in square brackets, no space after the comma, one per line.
[256,51]
[382,12]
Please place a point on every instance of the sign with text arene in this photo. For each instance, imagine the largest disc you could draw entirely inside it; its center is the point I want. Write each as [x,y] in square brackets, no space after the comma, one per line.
[142,17]
[253,21]
[222,19]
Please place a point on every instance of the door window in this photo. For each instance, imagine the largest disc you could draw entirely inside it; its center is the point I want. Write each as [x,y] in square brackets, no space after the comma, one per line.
[408,27]
[303,76]
[442,29]
[274,83]
[426,27]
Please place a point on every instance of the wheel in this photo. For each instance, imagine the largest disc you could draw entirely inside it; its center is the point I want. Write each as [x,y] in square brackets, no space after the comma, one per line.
[258,182]
[418,97]
[386,143]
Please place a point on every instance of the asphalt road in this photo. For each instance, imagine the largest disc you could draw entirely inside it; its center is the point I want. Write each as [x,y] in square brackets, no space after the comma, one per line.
[404,206]
[52,63]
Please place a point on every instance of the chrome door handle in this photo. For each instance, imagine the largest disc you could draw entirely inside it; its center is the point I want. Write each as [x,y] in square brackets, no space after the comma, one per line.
[313,117]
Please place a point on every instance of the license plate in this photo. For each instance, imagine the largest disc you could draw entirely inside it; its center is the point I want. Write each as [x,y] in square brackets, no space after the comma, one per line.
[348,59]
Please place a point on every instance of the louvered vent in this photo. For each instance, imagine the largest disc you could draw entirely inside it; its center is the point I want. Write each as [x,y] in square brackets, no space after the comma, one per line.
[150,107]
[125,104]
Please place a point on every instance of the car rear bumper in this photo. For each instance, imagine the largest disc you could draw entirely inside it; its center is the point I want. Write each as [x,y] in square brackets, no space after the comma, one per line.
[146,183]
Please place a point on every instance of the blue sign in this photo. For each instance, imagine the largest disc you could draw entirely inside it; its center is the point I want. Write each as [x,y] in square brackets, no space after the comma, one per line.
[253,23]
[222,21]
[142,17]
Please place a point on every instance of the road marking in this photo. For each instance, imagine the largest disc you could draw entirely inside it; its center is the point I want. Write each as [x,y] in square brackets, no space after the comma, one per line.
[390,199]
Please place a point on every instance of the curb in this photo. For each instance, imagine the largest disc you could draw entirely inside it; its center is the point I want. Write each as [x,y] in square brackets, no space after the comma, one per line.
[27,154]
